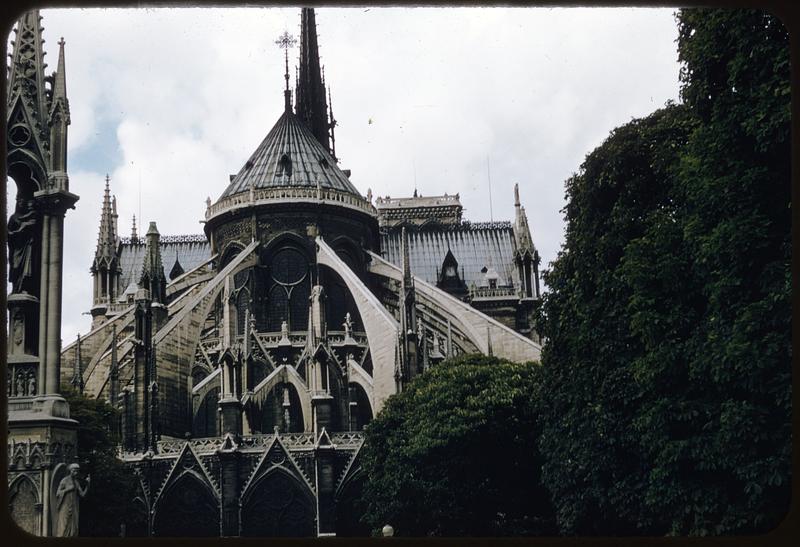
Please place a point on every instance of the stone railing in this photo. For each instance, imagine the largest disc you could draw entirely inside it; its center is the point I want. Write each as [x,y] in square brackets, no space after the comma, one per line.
[181,238]
[290,194]
[207,445]
[494,292]
[297,339]
[350,439]
[453,199]
[271,339]
[294,441]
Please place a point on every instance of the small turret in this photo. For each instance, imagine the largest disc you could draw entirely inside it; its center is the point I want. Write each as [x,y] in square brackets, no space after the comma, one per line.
[152,278]
[105,266]
[526,257]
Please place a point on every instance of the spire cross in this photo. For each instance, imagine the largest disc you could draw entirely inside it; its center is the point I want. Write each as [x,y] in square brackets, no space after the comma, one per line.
[286,41]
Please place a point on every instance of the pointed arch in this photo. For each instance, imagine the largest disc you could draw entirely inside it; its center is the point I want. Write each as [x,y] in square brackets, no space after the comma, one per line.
[229,252]
[206,417]
[362,414]
[188,507]
[23,496]
[348,517]
[283,374]
[278,504]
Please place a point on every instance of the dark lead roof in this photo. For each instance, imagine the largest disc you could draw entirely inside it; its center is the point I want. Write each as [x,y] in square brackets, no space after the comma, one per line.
[474,246]
[289,155]
[190,250]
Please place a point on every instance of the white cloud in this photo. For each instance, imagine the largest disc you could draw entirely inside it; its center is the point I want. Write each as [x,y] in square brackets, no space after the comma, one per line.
[188,94]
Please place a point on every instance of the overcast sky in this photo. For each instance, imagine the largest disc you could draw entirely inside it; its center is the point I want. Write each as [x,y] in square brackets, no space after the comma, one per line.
[169,102]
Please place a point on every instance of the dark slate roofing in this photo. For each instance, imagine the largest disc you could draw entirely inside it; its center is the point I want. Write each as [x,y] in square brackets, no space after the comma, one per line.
[310,162]
[474,245]
[191,250]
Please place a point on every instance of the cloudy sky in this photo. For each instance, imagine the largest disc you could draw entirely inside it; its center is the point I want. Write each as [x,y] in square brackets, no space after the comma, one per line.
[169,102]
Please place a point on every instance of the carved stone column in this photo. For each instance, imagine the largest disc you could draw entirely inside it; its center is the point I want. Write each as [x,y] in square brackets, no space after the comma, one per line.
[53,204]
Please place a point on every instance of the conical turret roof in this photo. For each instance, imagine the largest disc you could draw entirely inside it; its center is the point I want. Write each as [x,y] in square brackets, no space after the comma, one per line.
[290,156]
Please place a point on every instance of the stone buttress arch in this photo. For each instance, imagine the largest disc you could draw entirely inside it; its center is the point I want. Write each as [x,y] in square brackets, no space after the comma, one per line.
[381,328]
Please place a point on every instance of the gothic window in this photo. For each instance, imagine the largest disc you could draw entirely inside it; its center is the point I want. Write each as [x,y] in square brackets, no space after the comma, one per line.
[299,306]
[22,502]
[258,371]
[288,266]
[339,303]
[206,421]
[278,507]
[360,413]
[188,509]
[282,408]
[290,289]
[349,509]
[277,309]
[136,520]
[242,305]
[198,373]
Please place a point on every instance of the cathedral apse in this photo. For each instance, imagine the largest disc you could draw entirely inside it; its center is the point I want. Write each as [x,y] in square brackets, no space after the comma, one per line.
[246,360]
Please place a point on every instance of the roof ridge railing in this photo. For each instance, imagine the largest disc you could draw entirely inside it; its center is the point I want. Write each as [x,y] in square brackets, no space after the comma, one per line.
[463,225]
[181,238]
[264,195]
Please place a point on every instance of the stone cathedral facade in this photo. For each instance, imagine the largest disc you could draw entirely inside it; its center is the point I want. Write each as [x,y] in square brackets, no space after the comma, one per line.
[246,360]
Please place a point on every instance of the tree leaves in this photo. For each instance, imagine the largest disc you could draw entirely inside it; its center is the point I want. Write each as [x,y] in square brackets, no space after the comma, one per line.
[455,453]
[667,367]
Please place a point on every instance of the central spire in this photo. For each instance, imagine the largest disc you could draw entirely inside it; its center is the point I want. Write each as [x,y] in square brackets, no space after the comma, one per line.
[310,105]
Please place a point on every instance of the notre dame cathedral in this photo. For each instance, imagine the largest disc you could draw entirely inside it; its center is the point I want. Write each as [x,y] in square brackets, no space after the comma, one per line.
[245,360]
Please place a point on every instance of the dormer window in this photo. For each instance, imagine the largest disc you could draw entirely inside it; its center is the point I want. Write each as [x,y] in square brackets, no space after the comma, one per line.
[286,165]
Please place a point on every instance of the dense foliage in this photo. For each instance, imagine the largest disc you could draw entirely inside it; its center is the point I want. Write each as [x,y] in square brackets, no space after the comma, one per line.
[455,453]
[667,367]
[109,502]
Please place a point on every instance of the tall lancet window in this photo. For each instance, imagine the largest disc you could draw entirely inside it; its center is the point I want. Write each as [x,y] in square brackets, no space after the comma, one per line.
[288,295]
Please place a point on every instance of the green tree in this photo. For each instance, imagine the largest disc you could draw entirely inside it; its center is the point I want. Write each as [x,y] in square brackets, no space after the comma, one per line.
[668,361]
[735,184]
[109,502]
[593,467]
[455,453]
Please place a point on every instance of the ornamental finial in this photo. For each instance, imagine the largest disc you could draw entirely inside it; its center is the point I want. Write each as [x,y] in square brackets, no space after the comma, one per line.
[286,41]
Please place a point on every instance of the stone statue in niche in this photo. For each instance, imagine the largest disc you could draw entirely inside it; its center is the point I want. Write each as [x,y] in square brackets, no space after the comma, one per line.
[31,383]
[284,329]
[21,235]
[68,497]
[20,381]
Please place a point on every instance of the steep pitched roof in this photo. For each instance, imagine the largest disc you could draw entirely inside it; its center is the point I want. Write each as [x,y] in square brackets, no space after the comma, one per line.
[474,245]
[193,251]
[289,156]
